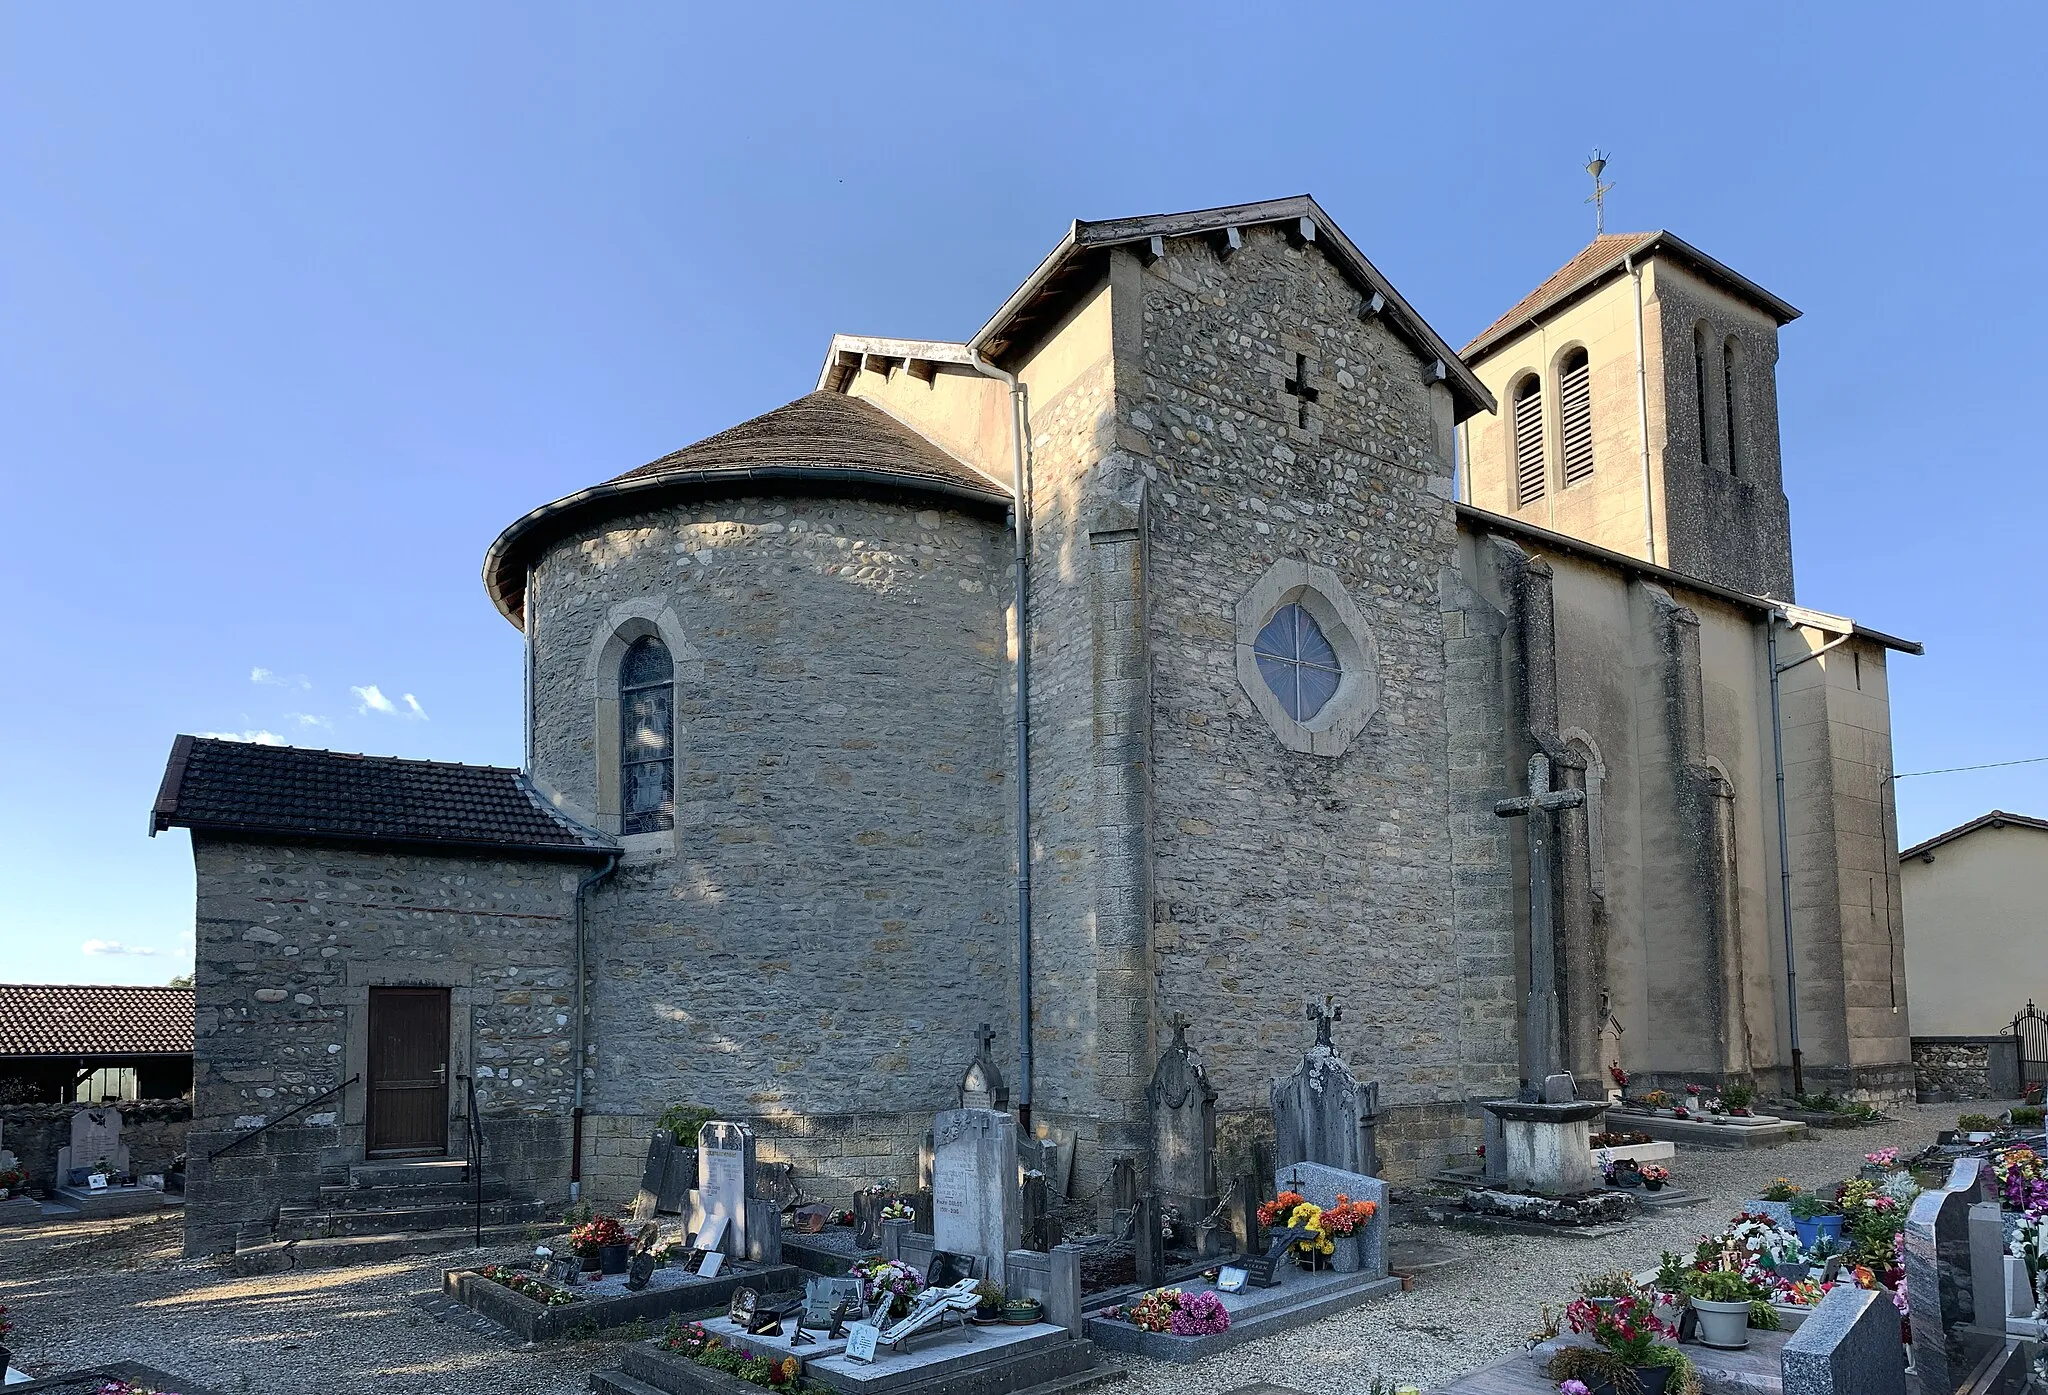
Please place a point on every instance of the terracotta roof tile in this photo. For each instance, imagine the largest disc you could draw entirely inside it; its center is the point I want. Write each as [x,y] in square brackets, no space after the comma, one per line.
[240,787]
[70,1019]
[1593,258]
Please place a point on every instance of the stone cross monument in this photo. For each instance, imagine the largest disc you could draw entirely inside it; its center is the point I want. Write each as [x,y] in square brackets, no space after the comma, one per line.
[1321,1113]
[1183,1106]
[1542,1033]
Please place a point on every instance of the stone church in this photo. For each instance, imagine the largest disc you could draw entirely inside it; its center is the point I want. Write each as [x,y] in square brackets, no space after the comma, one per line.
[1277,594]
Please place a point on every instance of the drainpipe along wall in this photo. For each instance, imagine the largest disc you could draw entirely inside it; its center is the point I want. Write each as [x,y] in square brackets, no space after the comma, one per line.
[1020,436]
[576,1114]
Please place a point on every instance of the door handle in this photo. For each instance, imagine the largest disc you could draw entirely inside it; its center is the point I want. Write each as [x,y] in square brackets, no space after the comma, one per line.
[441,1074]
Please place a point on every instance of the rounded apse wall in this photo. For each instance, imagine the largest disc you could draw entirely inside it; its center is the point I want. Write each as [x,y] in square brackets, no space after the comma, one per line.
[830,914]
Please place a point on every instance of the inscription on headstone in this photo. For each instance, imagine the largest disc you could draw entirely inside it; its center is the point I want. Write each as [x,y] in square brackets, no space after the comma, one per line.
[974,1185]
[725,1185]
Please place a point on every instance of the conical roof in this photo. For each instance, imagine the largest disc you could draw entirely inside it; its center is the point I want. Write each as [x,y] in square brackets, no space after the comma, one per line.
[824,442]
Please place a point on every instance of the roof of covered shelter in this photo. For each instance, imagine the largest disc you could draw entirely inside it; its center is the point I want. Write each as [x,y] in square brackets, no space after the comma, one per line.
[78,1019]
[239,787]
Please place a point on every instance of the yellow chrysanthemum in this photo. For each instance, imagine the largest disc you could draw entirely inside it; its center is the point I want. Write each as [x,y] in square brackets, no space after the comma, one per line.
[1309,1216]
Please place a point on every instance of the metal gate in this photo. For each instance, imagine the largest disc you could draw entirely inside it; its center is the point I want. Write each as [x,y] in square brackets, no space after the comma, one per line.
[2031,1027]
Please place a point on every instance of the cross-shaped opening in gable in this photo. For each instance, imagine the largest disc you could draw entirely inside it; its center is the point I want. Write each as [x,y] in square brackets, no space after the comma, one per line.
[1297,387]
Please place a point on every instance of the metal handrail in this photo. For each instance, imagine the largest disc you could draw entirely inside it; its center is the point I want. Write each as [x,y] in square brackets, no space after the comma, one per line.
[331,1090]
[476,1156]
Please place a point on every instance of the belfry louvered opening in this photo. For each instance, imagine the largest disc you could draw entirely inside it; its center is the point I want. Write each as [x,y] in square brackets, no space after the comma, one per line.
[1575,415]
[1529,473]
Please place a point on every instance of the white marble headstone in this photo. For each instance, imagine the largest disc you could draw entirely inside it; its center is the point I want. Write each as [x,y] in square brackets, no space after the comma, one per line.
[725,1181]
[95,1135]
[974,1186]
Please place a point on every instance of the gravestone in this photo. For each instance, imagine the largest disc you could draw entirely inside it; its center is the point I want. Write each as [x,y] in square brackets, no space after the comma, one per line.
[1183,1106]
[867,1216]
[826,1297]
[1041,1230]
[920,1204]
[1560,1088]
[1848,1345]
[1120,1196]
[1241,1215]
[974,1185]
[1987,1266]
[1322,1185]
[725,1184]
[1938,1282]
[95,1138]
[1148,1242]
[982,1087]
[1320,1111]
[678,1180]
[659,1149]
[8,1162]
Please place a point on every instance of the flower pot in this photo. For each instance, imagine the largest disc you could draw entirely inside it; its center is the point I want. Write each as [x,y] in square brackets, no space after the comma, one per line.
[613,1259]
[1653,1184]
[1831,1227]
[1807,1231]
[1346,1258]
[1723,1325]
[1021,1312]
[1649,1381]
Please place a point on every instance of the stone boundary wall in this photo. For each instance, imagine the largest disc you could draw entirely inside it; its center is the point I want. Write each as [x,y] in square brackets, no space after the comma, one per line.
[154,1131]
[834,1154]
[1966,1068]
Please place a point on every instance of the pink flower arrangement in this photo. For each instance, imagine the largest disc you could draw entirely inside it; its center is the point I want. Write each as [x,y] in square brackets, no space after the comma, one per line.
[1200,1315]
[1883,1157]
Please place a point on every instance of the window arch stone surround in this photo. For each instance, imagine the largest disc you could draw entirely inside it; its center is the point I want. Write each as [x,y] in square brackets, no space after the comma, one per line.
[623,624]
[1320,592]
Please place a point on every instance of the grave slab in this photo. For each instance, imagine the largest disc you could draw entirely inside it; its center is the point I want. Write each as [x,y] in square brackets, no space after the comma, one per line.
[1754,1370]
[608,1302]
[89,1381]
[1300,1297]
[1696,1133]
[964,1360]
[112,1201]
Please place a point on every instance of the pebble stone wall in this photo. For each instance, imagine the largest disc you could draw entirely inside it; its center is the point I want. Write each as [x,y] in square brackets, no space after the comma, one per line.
[831,918]
[289,940]
[1282,877]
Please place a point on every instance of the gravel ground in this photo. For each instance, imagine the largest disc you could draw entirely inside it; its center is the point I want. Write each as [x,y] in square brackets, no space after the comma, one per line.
[85,1293]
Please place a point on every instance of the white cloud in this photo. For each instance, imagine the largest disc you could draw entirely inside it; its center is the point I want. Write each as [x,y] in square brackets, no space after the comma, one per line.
[371,699]
[114,947]
[262,675]
[258,738]
[308,719]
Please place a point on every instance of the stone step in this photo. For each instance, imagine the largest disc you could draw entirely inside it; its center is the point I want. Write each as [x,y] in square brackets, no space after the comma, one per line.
[423,1194]
[619,1383]
[310,1223]
[410,1172]
[342,1251]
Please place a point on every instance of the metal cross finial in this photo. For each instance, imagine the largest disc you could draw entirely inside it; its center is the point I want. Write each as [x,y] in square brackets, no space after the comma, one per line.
[1330,1013]
[1600,191]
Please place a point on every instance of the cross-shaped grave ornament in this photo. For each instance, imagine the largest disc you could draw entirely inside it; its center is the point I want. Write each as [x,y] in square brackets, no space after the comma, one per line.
[1297,387]
[1180,1022]
[1326,1016]
[987,1037]
[1542,1038]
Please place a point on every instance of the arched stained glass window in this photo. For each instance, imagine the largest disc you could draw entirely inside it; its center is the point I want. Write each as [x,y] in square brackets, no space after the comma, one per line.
[647,785]
[1298,662]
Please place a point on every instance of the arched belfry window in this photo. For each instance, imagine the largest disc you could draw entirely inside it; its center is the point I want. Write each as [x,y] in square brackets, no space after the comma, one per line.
[1575,414]
[1699,386]
[1731,378]
[1528,428]
[647,766]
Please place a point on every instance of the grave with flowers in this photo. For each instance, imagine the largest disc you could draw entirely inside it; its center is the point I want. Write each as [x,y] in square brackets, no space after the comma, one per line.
[1327,1221]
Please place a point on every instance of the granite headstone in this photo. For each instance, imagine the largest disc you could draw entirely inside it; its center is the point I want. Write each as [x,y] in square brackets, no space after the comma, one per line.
[1848,1345]
[1320,1109]
[1938,1282]
[974,1185]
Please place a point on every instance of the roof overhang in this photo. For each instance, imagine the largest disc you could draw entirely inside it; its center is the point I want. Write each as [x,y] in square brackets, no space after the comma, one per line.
[1648,244]
[919,357]
[1997,818]
[526,537]
[1078,262]
[1488,521]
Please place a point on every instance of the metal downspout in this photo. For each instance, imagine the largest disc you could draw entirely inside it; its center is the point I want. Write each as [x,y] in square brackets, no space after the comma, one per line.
[1020,435]
[611,864]
[1643,416]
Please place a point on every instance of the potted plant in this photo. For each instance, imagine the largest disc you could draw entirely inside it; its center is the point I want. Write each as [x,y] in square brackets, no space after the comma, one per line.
[1722,1297]
[1654,1177]
[602,1244]
[888,1286]
[989,1298]
[1021,1312]
[1626,1355]
[1625,1173]
[1658,1099]
[1344,1227]
[1813,1216]
[1605,1290]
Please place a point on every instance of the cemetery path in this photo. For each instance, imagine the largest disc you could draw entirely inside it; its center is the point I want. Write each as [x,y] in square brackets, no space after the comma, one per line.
[1482,1297]
[83,1293]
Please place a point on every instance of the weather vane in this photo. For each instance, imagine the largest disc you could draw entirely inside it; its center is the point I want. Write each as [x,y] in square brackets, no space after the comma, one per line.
[1600,192]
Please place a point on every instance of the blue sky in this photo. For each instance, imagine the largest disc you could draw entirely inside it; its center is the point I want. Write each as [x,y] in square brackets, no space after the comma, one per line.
[299,305]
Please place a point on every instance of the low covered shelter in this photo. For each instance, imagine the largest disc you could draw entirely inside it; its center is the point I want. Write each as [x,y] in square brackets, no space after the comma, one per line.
[63,1042]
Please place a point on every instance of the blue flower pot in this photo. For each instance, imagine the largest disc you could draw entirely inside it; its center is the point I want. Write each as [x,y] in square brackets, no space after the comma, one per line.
[1811,1232]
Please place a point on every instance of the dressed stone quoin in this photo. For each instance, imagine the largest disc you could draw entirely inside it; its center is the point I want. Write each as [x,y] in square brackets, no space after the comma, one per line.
[1301,588]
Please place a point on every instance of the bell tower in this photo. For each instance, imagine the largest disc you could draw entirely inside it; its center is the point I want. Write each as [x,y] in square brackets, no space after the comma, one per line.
[1639,412]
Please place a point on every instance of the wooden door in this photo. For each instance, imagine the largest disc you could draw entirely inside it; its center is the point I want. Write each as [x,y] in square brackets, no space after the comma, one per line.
[408,1094]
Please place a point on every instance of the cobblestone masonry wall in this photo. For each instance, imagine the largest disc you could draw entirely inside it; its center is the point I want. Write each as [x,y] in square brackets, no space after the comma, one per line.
[290,940]
[831,918]
[154,1131]
[1957,1068]
[1279,876]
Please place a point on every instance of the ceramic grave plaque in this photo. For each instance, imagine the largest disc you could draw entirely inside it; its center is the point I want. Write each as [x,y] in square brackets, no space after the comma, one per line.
[725,1182]
[974,1185]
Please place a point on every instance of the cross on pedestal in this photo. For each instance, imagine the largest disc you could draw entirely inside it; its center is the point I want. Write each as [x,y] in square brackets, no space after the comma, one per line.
[1330,1013]
[1542,1039]
[1180,1022]
[1297,387]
